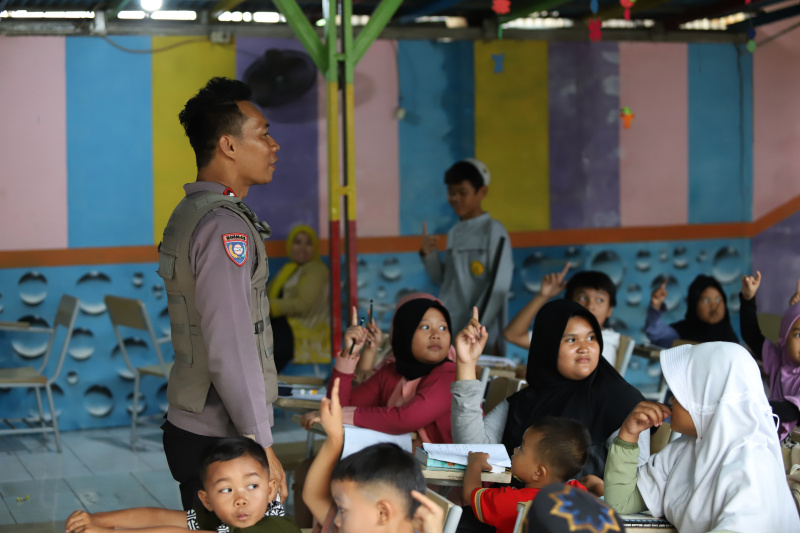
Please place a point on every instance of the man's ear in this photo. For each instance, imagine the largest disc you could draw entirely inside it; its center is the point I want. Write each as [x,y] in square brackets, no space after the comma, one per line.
[483,191]
[204,498]
[540,473]
[227,145]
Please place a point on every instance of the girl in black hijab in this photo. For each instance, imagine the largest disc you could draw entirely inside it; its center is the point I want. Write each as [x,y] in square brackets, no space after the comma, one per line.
[707,318]
[566,377]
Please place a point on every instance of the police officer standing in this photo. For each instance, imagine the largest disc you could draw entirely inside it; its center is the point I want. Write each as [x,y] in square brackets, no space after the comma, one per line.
[214,266]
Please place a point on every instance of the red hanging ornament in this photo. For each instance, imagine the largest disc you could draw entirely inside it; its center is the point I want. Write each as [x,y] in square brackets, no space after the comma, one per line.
[501,7]
[627,4]
[595,30]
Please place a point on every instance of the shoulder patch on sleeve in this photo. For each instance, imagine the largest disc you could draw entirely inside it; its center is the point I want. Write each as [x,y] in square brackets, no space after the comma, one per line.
[236,247]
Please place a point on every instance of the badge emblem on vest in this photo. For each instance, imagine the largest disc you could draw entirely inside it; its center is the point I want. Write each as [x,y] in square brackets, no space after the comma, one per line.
[236,247]
[476,268]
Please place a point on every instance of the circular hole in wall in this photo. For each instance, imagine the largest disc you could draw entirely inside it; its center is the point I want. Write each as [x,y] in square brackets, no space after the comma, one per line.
[30,345]
[92,288]
[81,346]
[98,401]
[726,266]
[32,288]
[611,264]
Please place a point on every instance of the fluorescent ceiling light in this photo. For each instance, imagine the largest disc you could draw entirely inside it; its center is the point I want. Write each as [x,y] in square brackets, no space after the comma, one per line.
[133,15]
[267,16]
[151,5]
[23,14]
[173,15]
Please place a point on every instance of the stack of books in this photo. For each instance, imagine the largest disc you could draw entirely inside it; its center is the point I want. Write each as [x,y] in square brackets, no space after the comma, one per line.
[454,456]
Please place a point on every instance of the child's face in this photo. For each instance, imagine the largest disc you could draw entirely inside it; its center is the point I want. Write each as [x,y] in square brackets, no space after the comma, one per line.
[237,491]
[711,306]
[431,342]
[357,512]
[465,200]
[302,248]
[595,300]
[681,420]
[792,347]
[579,351]
[525,462]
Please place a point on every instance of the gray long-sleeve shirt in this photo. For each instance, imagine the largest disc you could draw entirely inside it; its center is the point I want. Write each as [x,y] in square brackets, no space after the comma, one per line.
[467,271]
[236,402]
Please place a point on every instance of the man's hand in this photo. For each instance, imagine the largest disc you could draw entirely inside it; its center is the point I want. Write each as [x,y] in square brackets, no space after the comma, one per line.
[553,284]
[277,474]
[429,517]
[471,341]
[645,415]
[429,242]
[750,285]
[659,295]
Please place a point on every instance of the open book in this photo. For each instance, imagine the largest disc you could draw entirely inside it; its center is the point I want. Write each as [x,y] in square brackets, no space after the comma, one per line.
[356,439]
[457,453]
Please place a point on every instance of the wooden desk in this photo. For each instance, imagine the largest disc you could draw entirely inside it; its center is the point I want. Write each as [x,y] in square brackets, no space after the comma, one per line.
[297,405]
[649,351]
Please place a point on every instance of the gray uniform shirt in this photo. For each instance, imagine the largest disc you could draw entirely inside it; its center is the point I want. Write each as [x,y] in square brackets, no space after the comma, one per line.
[471,246]
[236,403]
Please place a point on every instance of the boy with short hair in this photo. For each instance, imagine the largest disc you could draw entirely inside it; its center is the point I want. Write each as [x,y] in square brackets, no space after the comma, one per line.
[592,289]
[379,489]
[553,450]
[478,265]
[237,495]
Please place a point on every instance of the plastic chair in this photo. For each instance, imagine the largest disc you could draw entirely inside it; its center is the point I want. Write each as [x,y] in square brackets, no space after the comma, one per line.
[28,377]
[522,512]
[501,388]
[452,512]
[624,352]
[132,313]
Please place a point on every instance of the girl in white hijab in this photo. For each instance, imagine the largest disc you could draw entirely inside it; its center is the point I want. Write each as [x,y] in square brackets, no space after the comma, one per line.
[726,472]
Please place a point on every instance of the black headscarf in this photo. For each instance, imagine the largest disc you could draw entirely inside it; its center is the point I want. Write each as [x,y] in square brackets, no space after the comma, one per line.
[404,324]
[691,328]
[601,401]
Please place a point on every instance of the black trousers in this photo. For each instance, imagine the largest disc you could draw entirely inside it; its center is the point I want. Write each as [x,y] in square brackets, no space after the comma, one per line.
[183,450]
[469,523]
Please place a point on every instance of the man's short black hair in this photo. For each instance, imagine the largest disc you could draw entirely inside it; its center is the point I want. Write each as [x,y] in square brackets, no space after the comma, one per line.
[229,449]
[464,171]
[592,279]
[211,113]
[384,464]
[563,446]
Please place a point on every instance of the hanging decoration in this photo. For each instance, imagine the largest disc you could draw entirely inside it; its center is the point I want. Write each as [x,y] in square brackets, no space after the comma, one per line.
[595,30]
[593,5]
[499,60]
[751,40]
[501,7]
[627,116]
[627,4]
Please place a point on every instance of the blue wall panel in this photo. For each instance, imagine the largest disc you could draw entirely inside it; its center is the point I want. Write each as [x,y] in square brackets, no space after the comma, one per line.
[720,134]
[109,143]
[437,90]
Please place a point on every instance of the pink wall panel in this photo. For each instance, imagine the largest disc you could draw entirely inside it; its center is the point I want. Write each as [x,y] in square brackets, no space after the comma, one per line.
[377,164]
[33,143]
[654,151]
[776,84]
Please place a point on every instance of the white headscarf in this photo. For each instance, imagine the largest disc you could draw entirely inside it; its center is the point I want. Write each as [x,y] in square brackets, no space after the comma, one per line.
[731,476]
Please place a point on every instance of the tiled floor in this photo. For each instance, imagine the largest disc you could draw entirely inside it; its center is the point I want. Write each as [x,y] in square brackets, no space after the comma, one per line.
[97,471]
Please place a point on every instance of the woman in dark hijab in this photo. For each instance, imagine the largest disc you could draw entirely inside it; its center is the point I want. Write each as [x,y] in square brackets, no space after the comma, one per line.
[707,318]
[566,377]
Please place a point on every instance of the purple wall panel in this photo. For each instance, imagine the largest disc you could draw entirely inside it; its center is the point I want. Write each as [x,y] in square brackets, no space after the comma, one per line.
[776,253]
[584,135]
[293,196]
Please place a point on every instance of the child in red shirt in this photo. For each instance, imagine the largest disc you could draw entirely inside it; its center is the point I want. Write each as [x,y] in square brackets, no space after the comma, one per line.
[553,450]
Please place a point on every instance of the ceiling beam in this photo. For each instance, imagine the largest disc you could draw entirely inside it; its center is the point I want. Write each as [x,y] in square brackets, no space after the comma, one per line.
[115,7]
[431,8]
[524,11]
[767,18]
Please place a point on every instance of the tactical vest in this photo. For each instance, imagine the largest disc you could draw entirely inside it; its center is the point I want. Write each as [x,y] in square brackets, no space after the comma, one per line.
[190,380]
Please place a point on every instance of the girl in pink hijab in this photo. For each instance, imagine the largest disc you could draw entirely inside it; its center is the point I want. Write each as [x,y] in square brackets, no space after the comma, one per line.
[781,360]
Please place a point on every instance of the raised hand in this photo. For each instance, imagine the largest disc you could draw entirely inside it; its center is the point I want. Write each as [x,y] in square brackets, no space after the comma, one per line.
[796,297]
[750,285]
[645,415]
[553,284]
[354,338]
[471,341]
[374,335]
[330,413]
[659,295]
[429,242]
[429,517]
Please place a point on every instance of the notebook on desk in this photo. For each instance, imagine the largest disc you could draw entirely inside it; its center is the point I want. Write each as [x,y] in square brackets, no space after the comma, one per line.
[458,454]
[641,521]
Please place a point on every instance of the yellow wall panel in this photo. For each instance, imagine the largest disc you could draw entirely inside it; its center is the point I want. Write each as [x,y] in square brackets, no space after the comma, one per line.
[511,131]
[178,74]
